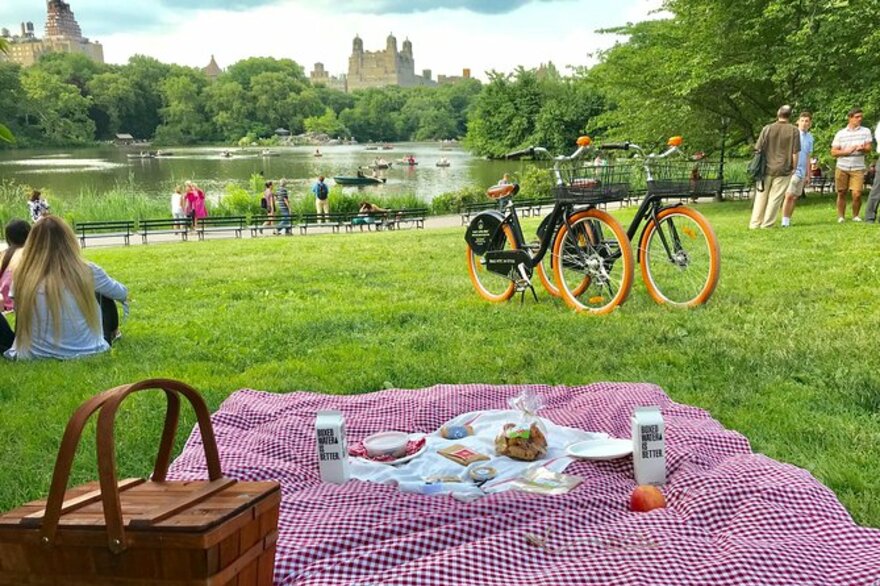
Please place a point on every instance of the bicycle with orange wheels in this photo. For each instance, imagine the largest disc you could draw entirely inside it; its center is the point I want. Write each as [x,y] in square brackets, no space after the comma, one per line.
[678,252]
[585,248]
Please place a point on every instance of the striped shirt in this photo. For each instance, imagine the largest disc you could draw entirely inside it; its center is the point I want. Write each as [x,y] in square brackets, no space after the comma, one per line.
[847,138]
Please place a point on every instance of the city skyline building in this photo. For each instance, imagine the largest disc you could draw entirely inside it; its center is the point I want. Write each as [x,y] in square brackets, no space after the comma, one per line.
[62,34]
[374,69]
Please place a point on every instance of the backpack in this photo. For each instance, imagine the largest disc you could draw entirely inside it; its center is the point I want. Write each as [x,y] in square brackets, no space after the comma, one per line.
[758,165]
[323,191]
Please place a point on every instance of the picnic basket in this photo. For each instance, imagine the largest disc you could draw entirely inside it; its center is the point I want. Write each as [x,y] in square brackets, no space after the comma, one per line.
[136,532]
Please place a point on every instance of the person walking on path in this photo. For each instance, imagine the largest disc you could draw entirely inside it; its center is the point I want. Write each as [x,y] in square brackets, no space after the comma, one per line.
[780,142]
[282,208]
[849,147]
[178,204]
[801,172]
[322,202]
[201,210]
[874,196]
[267,202]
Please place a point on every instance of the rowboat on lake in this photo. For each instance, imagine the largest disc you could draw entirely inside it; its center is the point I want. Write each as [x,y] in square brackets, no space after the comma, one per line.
[358,180]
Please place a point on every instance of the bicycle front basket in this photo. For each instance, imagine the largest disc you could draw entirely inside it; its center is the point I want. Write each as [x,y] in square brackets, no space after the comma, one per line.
[684,178]
[594,183]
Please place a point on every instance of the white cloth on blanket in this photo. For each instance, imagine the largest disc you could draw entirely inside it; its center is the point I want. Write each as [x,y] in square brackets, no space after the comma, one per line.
[410,476]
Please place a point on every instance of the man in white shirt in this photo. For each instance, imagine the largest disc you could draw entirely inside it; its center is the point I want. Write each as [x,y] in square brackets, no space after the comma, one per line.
[874,196]
[849,147]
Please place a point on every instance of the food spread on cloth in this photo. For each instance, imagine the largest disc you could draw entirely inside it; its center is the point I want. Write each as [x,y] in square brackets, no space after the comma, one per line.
[482,452]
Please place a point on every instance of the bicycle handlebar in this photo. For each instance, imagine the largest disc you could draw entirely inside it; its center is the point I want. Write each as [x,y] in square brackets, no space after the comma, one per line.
[615,146]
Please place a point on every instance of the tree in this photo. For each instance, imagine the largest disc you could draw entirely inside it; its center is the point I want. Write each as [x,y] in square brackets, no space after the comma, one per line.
[183,116]
[5,134]
[73,68]
[115,100]
[715,60]
[230,109]
[244,72]
[327,124]
[60,111]
[146,75]
[503,116]
[376,114]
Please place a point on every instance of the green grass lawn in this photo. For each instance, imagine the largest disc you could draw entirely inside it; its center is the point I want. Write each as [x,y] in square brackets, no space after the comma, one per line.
[783,353]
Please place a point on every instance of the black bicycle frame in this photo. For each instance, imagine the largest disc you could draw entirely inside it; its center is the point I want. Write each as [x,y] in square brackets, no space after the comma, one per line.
[650,207]
[512,219]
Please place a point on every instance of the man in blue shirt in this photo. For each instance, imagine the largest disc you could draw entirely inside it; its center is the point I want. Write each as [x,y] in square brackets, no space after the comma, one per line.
[801,174]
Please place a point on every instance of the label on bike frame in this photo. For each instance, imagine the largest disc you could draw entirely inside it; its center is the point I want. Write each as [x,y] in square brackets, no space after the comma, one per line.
[484,231]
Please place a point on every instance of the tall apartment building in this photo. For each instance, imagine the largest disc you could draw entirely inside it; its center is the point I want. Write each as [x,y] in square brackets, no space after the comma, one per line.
[62,35]
[368,69]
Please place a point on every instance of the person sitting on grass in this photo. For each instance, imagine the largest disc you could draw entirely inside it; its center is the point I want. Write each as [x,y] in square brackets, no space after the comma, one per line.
[65,307]
[16,235]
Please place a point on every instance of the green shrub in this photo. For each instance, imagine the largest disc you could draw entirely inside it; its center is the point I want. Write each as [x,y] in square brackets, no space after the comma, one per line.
[453,201]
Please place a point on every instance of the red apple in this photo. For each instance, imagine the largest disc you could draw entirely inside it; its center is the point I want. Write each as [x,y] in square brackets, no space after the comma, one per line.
[646,498]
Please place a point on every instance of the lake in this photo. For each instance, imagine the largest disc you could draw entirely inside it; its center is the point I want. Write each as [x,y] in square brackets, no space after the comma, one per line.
[96,170]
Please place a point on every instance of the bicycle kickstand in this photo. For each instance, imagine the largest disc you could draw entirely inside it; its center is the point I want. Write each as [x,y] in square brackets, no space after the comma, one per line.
[522,293]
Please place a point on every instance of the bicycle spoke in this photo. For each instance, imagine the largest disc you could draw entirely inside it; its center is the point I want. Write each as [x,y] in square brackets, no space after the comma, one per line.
[591,271]
[680,258]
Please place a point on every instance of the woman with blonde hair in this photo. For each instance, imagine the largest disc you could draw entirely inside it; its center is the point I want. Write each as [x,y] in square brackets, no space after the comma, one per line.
[55,290]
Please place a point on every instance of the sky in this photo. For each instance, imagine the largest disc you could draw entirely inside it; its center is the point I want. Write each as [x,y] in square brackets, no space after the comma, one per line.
[447,35]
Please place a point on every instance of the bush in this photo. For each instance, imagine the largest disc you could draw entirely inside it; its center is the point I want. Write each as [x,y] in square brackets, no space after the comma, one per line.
[453,201]
[238,201]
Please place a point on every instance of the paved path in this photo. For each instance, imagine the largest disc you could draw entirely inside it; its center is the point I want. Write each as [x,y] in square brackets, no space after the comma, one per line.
[446,221]
[450,221]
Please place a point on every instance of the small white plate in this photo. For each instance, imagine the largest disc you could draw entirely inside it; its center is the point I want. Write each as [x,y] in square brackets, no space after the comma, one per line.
[602,449]
[398,461]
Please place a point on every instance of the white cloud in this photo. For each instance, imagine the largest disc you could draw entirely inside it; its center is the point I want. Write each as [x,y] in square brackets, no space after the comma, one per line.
[444,40]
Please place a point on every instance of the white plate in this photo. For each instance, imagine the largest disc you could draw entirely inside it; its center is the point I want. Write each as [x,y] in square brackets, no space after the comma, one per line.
[602,449]
[398,461]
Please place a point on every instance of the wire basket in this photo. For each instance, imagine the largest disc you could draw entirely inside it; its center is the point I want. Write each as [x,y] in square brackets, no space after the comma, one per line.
[594,183]
[684,178]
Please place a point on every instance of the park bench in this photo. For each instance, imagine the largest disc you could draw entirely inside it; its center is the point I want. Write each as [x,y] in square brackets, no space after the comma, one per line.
[333,221]
[377,220]
[472,209]
[176,226]
[104,229]
[535,206]
[635,196]
[736,191]
[415,217]
[258,220]
[821,184]
[234,224]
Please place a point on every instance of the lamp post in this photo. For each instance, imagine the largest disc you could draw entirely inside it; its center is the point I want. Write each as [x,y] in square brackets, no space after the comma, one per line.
[725,122]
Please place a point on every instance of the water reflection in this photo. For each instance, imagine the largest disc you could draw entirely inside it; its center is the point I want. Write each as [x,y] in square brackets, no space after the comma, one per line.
[100,169]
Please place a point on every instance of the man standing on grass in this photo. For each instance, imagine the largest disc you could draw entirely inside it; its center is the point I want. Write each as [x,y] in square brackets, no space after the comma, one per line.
[874,196]
[801,172]
[781,144]
[322,204]
[849,147]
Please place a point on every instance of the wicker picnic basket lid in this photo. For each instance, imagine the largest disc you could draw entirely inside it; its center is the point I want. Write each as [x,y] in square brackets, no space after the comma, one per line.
[135,511]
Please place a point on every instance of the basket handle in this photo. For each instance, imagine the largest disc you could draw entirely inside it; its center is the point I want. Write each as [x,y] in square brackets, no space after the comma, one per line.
[108,403]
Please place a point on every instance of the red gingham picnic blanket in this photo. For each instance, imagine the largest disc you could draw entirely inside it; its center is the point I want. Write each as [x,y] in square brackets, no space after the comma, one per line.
[733,517]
